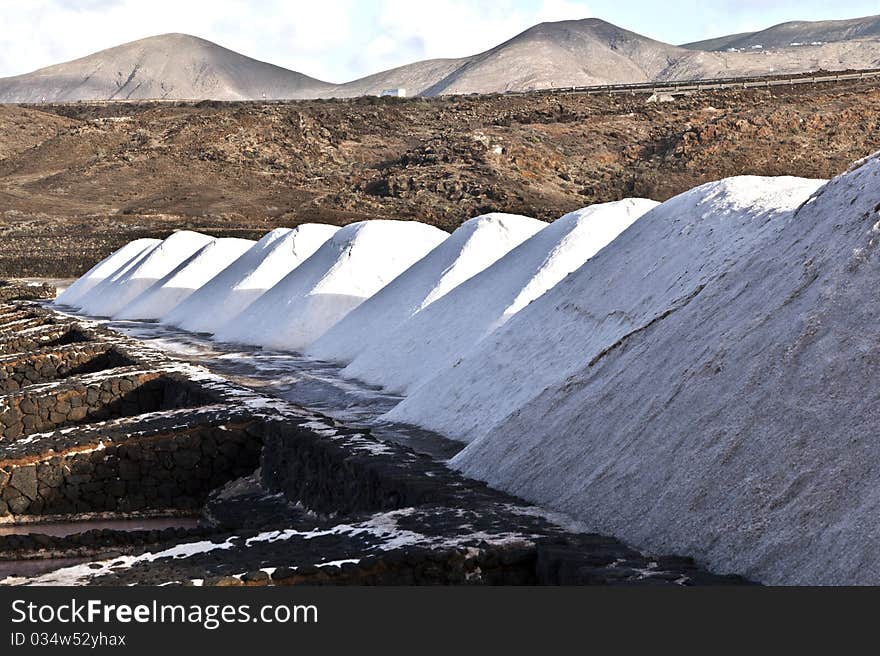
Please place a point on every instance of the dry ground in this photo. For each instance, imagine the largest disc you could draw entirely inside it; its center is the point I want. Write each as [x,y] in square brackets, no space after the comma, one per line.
[79,180]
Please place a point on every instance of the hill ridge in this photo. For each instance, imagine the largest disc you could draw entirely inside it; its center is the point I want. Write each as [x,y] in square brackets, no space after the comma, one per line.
[583,52]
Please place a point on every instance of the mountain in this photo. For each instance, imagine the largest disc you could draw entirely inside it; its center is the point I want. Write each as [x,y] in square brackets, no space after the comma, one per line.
[795,34]
[169,66]
[566,53]
[593,52]
[560,54]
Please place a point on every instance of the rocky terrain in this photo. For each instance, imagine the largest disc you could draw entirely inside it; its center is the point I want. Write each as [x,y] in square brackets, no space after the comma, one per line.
[79,180]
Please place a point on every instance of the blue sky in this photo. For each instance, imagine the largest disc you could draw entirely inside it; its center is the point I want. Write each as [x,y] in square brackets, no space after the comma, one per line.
[338,40]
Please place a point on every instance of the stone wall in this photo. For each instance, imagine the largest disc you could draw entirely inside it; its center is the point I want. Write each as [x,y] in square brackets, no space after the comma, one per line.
[167,470]
[17,291]
[14,313]
[506,565]
[58,363]
[174,438]
[347,470]
[57,334]
[23,323]
[44,408]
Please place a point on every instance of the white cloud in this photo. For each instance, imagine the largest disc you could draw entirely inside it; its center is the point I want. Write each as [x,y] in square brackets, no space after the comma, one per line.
[455,28]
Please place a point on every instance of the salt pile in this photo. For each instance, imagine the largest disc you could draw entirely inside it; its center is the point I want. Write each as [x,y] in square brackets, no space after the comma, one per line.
[103,270]
[703,384]
[176,286]
[108,297]
[108,285]
[350,267]
[244,281]
[649,268]
[472,247]
[437,337]
[740,425]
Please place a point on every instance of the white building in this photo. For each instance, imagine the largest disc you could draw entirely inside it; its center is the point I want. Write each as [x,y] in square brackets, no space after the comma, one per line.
[397,93]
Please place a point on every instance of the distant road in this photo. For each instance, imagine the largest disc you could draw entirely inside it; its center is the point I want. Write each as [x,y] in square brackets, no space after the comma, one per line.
[657,88]
[690,86]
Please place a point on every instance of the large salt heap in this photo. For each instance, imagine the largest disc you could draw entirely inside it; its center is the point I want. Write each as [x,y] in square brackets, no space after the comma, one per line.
[245,280]
[738,424]
[439,335]
[476,244]
[350,267]
[649,268]
[177,285]
[109,284]
[111,295]
[103,270]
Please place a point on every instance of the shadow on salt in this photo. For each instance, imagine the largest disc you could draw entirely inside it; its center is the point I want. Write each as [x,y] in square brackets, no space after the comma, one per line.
[313,384]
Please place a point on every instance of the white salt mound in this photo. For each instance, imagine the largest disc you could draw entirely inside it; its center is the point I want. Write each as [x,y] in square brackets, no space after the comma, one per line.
[110,296]
[437,337]
[476,244]
[176,286]
[108,285]
[741,426]
[651,266]
[350,267]
[245,280]
[103,270]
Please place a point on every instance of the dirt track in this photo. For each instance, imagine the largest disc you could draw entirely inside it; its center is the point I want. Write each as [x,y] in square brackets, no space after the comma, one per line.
[77,181]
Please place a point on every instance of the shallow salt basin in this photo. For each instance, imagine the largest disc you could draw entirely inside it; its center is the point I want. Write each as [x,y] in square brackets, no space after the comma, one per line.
[26,567]
[14,569]
[61,529]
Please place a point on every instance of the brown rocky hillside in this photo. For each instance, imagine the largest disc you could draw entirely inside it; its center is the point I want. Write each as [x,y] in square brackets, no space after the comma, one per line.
[78,180]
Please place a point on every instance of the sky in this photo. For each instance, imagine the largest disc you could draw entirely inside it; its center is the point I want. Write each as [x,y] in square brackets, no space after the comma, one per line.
[340,40]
